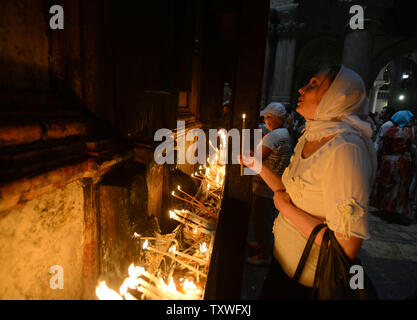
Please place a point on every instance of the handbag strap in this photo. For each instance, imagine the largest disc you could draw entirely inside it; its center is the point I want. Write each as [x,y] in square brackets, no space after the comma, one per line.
[325,243]
[307,250]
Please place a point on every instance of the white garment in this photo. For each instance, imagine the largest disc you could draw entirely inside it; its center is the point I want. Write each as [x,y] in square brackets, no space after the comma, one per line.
[334,185]
[273,139]
[344,107]
[381,132]
[279,141]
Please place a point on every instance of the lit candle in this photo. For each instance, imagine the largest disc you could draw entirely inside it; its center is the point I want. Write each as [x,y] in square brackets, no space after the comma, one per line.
[205,178]
[186,256]
[211,213]
[149,293]
[195,218]
[188,195]
[193,225]
[175,259]
[243,141]
[105,293]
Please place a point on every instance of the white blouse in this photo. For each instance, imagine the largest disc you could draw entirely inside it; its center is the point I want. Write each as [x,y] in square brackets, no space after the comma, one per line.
[333,184]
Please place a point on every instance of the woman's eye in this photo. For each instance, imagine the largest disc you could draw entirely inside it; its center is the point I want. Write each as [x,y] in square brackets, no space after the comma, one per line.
[313,84]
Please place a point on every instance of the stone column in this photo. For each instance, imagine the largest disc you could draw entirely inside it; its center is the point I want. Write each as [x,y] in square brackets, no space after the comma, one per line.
[357,52]
[269,62]
[373,95]
[358,43]
[280,86]
[283,70]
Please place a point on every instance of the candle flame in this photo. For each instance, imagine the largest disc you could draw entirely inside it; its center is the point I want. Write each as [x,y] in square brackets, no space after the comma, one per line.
[179,188]
[189,285]
[171,285]
[244,116]
[173,249]
[128,296]
[172,214]
[103,292]
[135,272]
[145,245]
[173,193]
[128,283]
[203,248]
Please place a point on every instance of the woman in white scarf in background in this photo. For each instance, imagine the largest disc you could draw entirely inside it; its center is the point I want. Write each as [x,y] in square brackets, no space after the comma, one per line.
[329,179]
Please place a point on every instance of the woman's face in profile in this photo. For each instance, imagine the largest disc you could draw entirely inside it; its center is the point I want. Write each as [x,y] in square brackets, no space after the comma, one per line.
[311,95]
[272,122]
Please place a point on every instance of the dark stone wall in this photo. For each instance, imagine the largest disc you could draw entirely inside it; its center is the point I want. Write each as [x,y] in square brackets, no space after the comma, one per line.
[24,46]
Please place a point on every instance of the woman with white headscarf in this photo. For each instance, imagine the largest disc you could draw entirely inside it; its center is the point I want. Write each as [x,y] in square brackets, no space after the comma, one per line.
[329,179]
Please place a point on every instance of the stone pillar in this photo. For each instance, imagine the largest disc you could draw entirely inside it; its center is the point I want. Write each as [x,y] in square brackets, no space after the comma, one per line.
[358,43]
[284,70]
[373,96]
[280,86]
[357,52]
[269,60]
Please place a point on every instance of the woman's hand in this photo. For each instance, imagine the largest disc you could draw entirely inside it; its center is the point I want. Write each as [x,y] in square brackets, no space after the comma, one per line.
[249,161]
[281,200]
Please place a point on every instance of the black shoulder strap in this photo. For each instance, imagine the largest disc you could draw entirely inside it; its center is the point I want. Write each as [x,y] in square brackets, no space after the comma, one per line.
[307,250]
[327,237]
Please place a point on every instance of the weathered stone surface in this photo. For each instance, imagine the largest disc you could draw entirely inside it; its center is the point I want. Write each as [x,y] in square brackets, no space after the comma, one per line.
[11,135]
[46,231]
[123,204]
[24,45]
[62,129]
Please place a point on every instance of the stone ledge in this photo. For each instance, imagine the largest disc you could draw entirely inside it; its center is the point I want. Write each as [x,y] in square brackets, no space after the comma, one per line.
[29,131]
[25,189]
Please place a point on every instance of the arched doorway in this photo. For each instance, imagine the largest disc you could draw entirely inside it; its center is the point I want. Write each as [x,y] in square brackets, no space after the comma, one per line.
[395,85]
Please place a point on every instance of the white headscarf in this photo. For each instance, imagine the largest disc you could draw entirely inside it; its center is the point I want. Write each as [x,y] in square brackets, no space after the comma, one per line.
[343,108]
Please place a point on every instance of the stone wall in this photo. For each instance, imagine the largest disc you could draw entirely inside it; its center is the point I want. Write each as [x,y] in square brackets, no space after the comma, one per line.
[24,56]
[43,232]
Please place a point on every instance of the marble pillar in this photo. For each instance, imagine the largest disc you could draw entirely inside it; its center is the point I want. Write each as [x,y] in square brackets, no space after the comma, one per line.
[269,65]
[283,70]
[357,52]
[279,74]
[373,95]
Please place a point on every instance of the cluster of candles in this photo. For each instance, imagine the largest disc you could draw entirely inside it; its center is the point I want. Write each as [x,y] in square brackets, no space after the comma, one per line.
[200,217]
[150,287]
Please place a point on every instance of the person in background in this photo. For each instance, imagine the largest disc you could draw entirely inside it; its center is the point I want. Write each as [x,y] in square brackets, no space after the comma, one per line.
[373,124]
[395,172]
[226,115]
[386,115]
[412,194]
[276,151]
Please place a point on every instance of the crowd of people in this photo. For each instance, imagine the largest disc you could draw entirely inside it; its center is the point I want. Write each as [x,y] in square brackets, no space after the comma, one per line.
[327,163]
